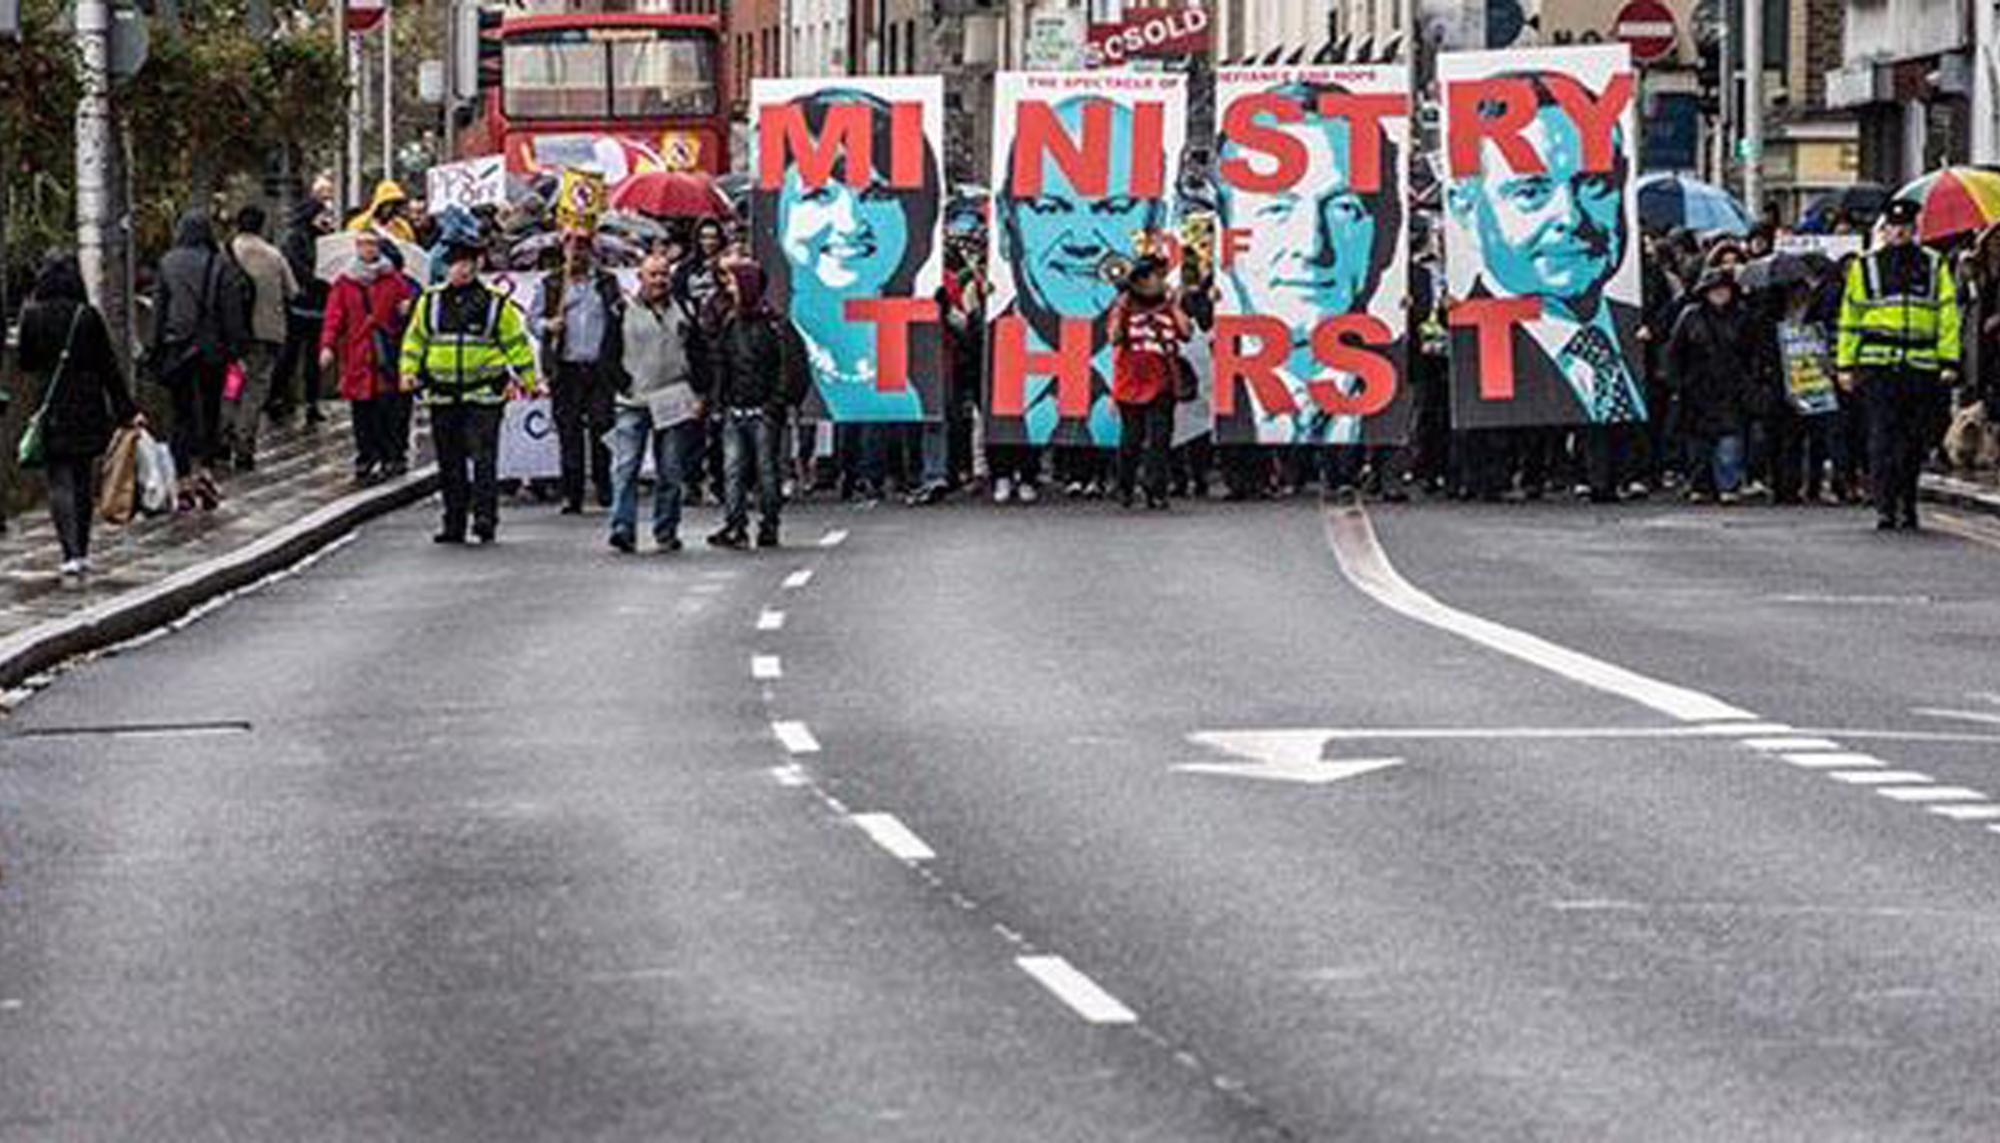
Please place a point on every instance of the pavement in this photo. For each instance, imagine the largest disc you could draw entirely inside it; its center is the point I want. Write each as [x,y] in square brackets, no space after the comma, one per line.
[1236,822]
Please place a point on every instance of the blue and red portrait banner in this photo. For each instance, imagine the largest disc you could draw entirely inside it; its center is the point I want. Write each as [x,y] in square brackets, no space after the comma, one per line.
[1542,241]
[847,205]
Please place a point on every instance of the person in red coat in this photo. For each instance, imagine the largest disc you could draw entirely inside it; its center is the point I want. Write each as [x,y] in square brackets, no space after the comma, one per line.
[365,316]
[1148,328]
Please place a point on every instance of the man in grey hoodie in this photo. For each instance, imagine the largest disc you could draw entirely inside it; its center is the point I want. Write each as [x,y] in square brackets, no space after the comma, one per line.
[660,402]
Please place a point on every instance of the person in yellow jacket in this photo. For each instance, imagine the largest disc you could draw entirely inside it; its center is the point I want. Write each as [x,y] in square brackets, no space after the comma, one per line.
[465,351]
[1899,345]
[387,213]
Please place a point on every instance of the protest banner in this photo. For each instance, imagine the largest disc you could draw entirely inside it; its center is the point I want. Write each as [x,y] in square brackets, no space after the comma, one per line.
[847,219]
[1808,363]
[1542,237]
[472,183]
[1085,165]
[1312,255]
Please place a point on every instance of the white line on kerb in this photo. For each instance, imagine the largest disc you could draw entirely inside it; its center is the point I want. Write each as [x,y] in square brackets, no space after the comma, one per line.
[766,667]
[798,579]
[892,835]
[1081,993]
[1932,794]
[1783,745]
[1362,560]
[1833,761]
[834,538]
[1967,813]
[768,620]
[796,737]
[1880,777]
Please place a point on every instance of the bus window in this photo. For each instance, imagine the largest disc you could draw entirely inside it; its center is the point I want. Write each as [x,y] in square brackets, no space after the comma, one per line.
[668,76]
[556,81]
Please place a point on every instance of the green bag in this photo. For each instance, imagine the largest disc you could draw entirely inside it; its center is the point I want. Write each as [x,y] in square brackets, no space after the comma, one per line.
[33,450]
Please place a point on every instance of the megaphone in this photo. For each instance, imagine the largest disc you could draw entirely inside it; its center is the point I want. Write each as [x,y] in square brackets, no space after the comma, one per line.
[1114,268]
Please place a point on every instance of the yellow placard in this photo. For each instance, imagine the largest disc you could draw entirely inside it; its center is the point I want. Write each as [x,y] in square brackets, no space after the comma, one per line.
[580,200]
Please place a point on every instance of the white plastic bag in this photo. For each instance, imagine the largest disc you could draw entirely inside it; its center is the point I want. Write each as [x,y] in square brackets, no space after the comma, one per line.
[157,484]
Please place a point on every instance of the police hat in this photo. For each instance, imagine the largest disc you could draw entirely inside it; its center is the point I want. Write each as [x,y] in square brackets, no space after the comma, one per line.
[1901,212]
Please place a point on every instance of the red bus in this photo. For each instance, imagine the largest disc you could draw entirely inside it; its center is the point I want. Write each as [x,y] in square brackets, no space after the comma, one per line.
[618,90]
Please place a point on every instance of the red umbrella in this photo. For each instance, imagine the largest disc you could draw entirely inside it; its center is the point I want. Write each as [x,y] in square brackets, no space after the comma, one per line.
[671,194]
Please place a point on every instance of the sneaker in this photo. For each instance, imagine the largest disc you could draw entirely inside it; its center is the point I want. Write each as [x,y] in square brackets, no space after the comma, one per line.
[927,495]
[484,533]
[72,569]
[246,462]
[1696,497]
[1027,494]
[1727,499]
[1637,490]
[668,542]
[1073,489]
[728,538]
[1003,490]
[623,543]
[448,537]
[1155,503]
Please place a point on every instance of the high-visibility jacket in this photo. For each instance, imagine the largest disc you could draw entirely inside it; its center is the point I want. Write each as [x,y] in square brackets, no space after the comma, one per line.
[1899,313]
[458,361]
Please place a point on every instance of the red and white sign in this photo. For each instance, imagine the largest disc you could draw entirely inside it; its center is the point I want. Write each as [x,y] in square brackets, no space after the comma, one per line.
[1148,33]
[364,15]
[1648,26]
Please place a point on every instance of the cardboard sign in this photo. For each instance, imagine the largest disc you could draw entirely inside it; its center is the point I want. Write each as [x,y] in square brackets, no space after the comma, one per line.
[472,183]
[580,200]
[1808,362]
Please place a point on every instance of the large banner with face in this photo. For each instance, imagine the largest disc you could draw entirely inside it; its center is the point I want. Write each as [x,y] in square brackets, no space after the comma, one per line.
[1084,166]
[846,213]
[1542,237]
[1312,255]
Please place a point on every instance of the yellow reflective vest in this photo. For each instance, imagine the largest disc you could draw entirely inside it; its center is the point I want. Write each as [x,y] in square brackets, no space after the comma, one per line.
[1899,314]
[472,365]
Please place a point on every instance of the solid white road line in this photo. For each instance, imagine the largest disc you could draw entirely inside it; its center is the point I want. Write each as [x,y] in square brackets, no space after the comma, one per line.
[1879,777]
[894,836]
[766,667]
[798,579]
[796,737]
[1078,991]
[1782,745]
[834,538]
[768,620]
[1932,794]
[1362,560]
[1833,761]
[1967,813]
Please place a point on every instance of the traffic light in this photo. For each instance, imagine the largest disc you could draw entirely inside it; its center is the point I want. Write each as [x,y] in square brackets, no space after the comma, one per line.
[490,54]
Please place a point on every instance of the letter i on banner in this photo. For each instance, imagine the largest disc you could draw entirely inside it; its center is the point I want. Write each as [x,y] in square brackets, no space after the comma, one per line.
[1541,235]
[1085,165]
[846,216]
[1312,255]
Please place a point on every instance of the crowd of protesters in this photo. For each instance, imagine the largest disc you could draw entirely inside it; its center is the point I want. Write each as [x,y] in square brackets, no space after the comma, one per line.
[698,370]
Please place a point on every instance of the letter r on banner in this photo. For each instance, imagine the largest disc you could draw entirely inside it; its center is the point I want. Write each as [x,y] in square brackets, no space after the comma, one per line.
[1258,370]
[1496,110]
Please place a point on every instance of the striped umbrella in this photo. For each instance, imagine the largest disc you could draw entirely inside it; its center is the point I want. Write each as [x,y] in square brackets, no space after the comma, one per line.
[1953,201]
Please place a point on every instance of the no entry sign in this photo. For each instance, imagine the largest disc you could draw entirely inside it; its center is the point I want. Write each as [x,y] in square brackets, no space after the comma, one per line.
[1648,27]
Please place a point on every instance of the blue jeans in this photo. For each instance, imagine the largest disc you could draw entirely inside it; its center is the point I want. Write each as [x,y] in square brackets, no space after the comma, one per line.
[673,449]
[937,451]
[750,442]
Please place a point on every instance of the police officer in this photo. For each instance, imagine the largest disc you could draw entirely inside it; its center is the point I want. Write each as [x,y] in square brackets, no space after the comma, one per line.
[1899,341]
[464,349]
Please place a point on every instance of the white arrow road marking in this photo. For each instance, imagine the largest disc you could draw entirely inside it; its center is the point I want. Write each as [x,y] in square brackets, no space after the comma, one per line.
[1962,715]
[1280,756]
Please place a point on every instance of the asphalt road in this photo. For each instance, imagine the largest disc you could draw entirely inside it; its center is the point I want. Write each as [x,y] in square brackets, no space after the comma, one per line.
[536,842]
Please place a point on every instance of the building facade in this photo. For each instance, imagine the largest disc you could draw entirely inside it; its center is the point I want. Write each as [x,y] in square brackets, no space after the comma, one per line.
[1906,73]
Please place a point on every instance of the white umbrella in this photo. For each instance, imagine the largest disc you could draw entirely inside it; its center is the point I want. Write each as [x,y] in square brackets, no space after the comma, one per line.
[332,253]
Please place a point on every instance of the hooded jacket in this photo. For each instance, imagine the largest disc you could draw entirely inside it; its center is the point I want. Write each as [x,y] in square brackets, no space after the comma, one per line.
[386,191]
[756,359]
[200,302]
[364,323]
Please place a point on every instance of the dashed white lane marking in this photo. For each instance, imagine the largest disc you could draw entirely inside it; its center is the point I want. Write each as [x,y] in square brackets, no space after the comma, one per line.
[1880,777]
[1073,988]
[710,588]
[834,538]
[766,667]
[796,737]
[769,620]
[891,834]
[1833,761]
[793,776]
[798,579]
[1984,813]
[1362,560]
[1784,745]
[1931,794]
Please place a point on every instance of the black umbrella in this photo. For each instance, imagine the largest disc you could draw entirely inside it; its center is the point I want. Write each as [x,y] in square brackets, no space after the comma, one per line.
[1775,271]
